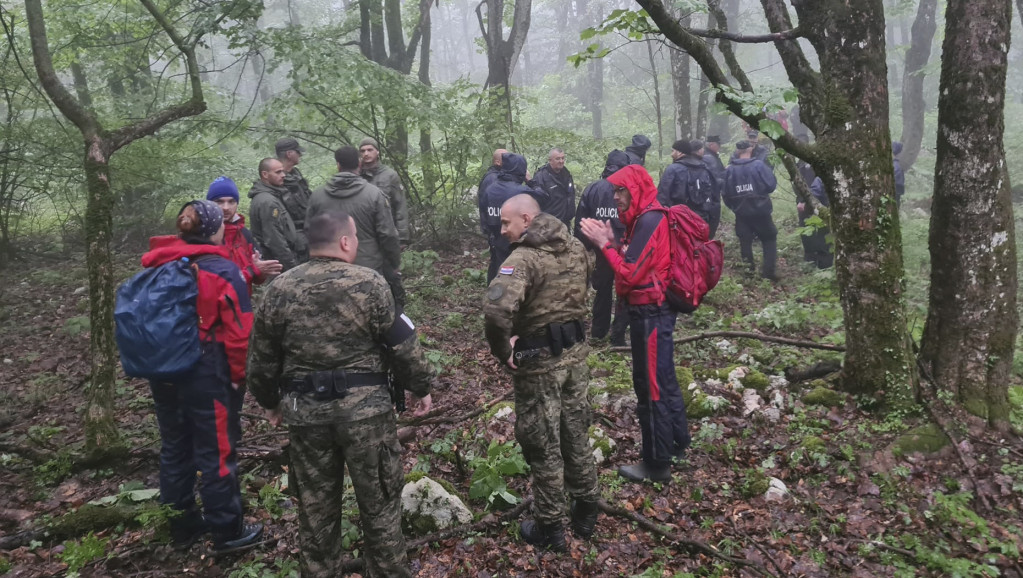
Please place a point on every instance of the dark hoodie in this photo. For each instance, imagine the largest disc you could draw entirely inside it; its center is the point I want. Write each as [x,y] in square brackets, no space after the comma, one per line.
[689,182]
[374,225]
[510,182]
[225,312]
[637,150]
[641,265]
[544,280]
[598,200]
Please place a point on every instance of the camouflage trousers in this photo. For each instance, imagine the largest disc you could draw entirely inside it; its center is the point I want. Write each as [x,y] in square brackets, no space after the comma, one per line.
[371,450]
[552,421]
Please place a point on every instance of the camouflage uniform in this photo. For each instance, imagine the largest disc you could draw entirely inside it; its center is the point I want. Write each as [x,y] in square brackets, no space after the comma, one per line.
[329,314]
[544,281]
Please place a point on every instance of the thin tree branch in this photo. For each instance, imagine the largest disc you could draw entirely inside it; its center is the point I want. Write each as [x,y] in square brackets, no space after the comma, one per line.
[748,335]
[756,39]
[806,80]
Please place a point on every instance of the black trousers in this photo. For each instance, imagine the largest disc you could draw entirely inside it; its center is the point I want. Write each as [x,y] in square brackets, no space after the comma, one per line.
[200,425]
[758,227]
[815,246]
[659,404]
[603,282]
[499,251]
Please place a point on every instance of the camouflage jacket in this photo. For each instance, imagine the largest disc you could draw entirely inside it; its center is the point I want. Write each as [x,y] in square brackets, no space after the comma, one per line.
[329,314]
[297,199]
[544,280]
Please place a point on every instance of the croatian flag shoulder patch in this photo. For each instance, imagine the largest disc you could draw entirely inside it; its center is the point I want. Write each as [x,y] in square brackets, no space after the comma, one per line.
[507,270]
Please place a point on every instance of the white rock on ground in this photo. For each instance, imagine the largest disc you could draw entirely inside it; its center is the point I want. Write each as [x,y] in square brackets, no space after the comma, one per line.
[777,491]
[751,402]
[427,501]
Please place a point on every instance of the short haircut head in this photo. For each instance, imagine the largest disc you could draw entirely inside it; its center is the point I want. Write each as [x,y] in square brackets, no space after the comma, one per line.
[497,155]
[555,151]
[347,158]
[265,164]
[326,228]
[521,205]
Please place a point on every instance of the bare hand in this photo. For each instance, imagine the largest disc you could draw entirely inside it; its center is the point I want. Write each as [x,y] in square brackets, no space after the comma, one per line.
[511,360]
[801,207]
[599,233]
[270,268]
[274,416]
[422,406]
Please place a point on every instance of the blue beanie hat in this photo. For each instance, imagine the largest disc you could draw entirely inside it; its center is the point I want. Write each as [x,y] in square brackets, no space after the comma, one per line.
[211,218]
[222,187]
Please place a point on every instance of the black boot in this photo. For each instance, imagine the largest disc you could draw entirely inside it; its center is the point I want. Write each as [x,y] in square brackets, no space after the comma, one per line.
[549,536]
[644,471]
[188,529]
[584,518]
[248,536]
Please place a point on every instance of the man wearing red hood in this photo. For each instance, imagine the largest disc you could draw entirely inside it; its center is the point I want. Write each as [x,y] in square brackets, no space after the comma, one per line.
[641,267]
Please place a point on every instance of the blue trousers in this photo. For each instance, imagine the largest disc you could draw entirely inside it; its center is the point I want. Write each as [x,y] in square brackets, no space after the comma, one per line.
[659,404]
[200,425]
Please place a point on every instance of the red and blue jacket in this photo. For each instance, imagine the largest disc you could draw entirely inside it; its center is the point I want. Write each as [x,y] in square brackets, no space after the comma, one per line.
[224,307]
[241,245]
[642,264]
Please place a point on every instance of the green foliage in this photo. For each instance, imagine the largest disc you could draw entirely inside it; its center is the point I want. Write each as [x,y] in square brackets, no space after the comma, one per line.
[258,568]
[5,565]
[77,554]
[821,394]
[271,497]
[54,470]
[76,325]
[755,483]
[1016,408]
[417,263]
[489,472]
[438,360]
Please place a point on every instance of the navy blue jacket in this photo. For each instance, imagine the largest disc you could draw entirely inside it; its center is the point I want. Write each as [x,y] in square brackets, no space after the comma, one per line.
[489,178]
[716,168]
[598,200]
[748,184]
[817,188]
[689,182]
[900,180]
[510,182]
[637,150]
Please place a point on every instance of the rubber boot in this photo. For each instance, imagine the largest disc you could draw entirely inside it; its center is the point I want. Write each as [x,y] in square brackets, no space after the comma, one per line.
[548,536]
[584,518]
[643,471]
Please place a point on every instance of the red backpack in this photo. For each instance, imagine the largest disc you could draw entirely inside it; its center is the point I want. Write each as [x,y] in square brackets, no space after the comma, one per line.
[696,261]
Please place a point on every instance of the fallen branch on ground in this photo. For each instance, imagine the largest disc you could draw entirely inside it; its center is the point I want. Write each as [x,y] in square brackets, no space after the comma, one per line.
[432,420]
[691,545]
[748,335]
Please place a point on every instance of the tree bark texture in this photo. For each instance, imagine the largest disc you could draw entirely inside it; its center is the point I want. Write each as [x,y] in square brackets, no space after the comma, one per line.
[913,104]
[969,337]
[503,53]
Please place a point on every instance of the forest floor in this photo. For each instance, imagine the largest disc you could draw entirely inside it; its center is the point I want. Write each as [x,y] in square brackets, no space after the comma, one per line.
[868,493]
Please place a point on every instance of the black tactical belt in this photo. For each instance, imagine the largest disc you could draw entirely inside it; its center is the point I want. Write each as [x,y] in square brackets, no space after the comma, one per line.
[331,384]
[558,338]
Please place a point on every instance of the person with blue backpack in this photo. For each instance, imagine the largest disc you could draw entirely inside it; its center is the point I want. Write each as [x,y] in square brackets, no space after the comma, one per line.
[184,324]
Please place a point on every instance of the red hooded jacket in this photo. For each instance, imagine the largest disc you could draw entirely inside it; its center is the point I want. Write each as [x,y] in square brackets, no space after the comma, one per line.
[240,247]
[223,304]
[641,265]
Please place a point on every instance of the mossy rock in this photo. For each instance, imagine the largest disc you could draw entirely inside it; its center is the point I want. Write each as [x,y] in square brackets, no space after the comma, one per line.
[822,395]
[814,444]
[490,413]
[925,439]
[763,356]
[757,381]
[754,484]
[90,518]
[722,374]
[415,476]
[701,405]
[601,441]
[684,375]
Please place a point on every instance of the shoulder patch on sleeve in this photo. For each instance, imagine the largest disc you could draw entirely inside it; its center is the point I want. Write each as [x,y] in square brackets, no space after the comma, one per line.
[507,270]
[276,212]
[495,292]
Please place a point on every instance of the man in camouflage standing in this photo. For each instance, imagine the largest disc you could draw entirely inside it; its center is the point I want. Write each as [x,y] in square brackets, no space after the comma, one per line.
[272,225]
[534,323]
[326,377]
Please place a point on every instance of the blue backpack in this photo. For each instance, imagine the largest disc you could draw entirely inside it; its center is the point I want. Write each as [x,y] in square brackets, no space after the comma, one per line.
[156,321]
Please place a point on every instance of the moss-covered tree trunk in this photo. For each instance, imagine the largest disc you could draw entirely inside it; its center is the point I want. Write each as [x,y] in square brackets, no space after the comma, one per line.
[971,325]
[101,431]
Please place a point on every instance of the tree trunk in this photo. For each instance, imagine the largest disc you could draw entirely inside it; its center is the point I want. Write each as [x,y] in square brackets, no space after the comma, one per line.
[657,97]
[100,423]
[503,53]
[913,104]
[969,337]
[682,93]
